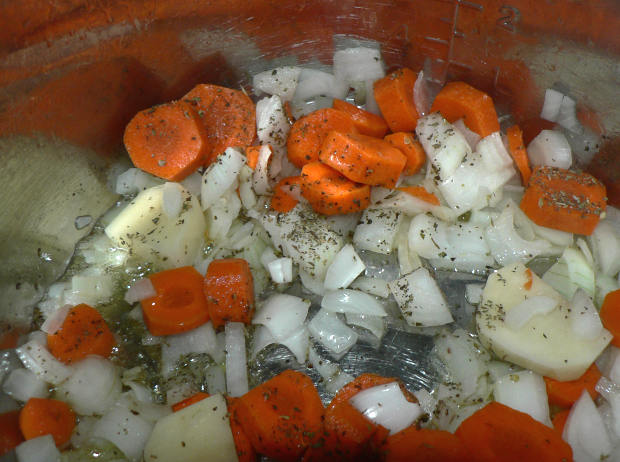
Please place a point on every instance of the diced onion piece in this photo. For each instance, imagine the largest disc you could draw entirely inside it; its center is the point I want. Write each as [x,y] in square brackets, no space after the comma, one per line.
[550,148]
[261,339]
[267,257]
[23,384]
[236,366]
[281,270]
[585,431]
[611,392]
[260,178]
[193,183]
[280,81]
[605,242]
[39,449]
[427,402]
[472,137]
[172,199]
[39,360]
[524,391]
[522,313]
[373,286]
[420,299]
[140,290]
[134,180]
[54,321]
[406,203]
[311,284]
[128,430]
[282,314]
[246,192]
[272,125]
[323,366]
[199,340]
[375,324]
[585,320]
[386,405]
[371,103]
[551,106]
[346,266]
[377,230]
[90,289]
[313,82]
[473,293]
[352,301]
[344,225]
[220,176]
[221,214]
[358,64]
[331,332]
[300,108]
[216,379]
[555,236]
[567,117]
[421,95]
[298,343]
[580,272]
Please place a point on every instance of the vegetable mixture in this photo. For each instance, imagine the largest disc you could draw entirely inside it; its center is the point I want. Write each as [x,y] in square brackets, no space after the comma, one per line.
[317,216]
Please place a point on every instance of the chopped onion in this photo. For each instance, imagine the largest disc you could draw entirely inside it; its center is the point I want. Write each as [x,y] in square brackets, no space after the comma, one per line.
[378,193]
[260,178]
[312,284]
[221,214]
[199,340]
[408,260]
[584,317]
[313,82]
[374,286]
[426,400]
[331,332]
[134,180]
[567,117]
[323,366]
[550,148]
[236,365]
[300,107]
[216,379]
[345,267]
[377,230]
[172,199]
[473,293]
[555,236]
[611,392]
[246,192]
[421,95]
[128,430]
[406,203]
[298,343]
[551,106]
[280,81]
[23,384]
[472,138]
[282,314]
[605,242]
[40,361]
[193,184]
[267,257]
[358,64]
[352,301]
[220,176]
[140,290]
[272,125]
[375,324]
[524,391]
[344,225]
[39,449]
[580,272]
[371,103]
[520,314]
[386,405]
[91,289]
[55,320]
[585,431]
[281,270]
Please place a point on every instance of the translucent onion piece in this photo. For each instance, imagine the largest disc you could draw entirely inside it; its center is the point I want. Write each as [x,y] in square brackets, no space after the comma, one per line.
[40,449]
[585,431]
[377,230]
[524,391]
[55,320]
[331,332]
[421,95]
[35,357]
[550,148]
[585,320]
[23,384]
[260,178]
[236,366]
[282,314]
[128,430]
[358,64]
[172,199]
[139,290]
[281,270]
[374,286]
[352,301]
[346,266]
[280,81]
[551,105]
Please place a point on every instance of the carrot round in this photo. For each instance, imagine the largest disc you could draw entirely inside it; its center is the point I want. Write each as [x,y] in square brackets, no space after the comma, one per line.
[517,150]
[179,305]
[363,159]
[565,394]
[458,100]
[414,444]
[10,434]
[421,193]
[84,332]
[330,193]
[283,416]
[500,433]
[559,421]
[411,148]
[394,96]
[229,290]
[227,115]
[195,398]
[281,201]
[308,133]
[565,200]
[610,315]
[252,153]
[243,445]
[365,122]
[168,141]
[41,416]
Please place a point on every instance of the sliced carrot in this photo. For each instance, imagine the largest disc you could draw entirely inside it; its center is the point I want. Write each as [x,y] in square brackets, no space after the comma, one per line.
[283,416]
[610,315]
[559,421]
[565,394]
[308,133]
[364,381]
[351,432]
[530,279]
[189,401]
[498,433]
[228,116]
[565,200]
[179,305]
[516,148]
[330,193]
[363,159]
[243,445]
[421,193]
[366,122]
[413,444]
[251,154]
[411,148]
[10,434]
[168,141]
[458,100]
[84,332]
[394,96]
[41,416]
[282,201]
[229,289]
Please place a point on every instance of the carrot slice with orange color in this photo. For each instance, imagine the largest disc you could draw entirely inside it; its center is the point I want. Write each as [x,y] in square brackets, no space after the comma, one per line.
[366,122]
[565,200]
[179,305]
[243,445]
[195,398]
[308,133]
[426,445]
[458,100]
[10,434]
[411,148]
[41,416]
[84,332]
[330,193]
[168,141]
[559,421]
[282,201]
[421,193]
[229,291]
[363,159]
[517,150]
[610,315]
[228,116]
[394,96]
[565,394]
[251,154]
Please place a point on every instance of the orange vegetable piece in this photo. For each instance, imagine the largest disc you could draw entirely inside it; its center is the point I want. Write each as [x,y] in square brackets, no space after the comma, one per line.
[229,289]
[565,200]
[330,193]
[179,305]
[412,444]
[530,279]
[458,100]
[363,159]
[168,141]
[408,144]
[517,150]
[365,122]
[227,115]
[565,394]
[283,416]
[610,315]
[251,154]
[245,451]
[189,401]
[41,416]
[84,332]
[498,433]
[10,434]
[394,96]
[559,421]
[308,133]
[421,193]
[281,201]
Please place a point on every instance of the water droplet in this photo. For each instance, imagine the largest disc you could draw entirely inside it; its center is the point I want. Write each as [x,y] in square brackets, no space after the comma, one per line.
[83,221]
